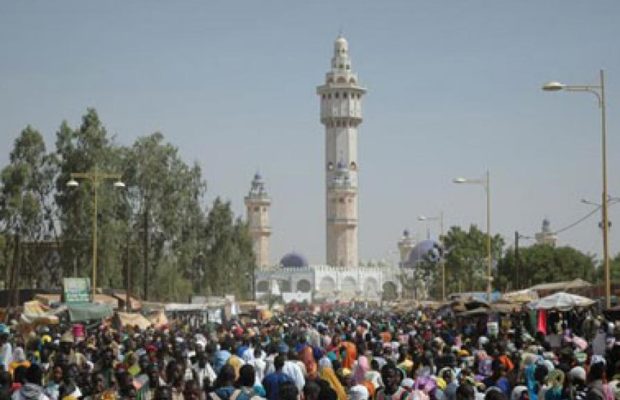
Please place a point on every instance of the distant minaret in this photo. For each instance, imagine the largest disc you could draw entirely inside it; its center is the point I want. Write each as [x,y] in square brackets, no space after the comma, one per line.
[257,204]
[341,113]
[405,245]
[545,236]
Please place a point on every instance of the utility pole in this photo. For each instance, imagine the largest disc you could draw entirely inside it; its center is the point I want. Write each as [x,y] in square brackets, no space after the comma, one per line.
[517,261]
[146,249]
[128,278]
[13,280]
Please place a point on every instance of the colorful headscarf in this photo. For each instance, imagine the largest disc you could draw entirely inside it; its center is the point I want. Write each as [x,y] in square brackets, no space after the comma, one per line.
[360,369]
[328,374]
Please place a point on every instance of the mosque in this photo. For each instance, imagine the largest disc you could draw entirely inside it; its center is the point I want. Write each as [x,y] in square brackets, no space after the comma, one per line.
[342,278]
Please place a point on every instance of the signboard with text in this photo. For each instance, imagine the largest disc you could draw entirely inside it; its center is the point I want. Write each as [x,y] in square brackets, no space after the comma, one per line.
[76,290]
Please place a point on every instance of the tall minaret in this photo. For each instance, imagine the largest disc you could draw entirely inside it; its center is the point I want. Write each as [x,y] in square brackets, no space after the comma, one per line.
[405,245]
[257,204]
[341,113]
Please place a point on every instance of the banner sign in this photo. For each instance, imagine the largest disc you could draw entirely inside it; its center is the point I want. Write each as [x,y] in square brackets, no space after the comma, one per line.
[76,290]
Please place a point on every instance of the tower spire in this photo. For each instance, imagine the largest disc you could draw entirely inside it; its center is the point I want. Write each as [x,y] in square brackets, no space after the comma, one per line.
[341,113]
[257,204]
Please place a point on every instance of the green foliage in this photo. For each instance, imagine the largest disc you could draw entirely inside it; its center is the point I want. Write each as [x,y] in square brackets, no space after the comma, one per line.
[188,251]
[168,284]
[26,203]
[614,270]
[466,258]
[542,264]
[228,253]
[88,148]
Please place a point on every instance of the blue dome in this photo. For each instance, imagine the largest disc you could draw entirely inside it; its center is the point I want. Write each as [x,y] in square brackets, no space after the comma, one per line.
[293,260]
[425,250]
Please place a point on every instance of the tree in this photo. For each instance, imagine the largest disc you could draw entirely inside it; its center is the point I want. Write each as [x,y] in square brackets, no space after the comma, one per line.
[159,219]
[86,149]
[26,206]
[165,206]
[466,258]
[542,263]
[614,267]
[423,280]
[228,252]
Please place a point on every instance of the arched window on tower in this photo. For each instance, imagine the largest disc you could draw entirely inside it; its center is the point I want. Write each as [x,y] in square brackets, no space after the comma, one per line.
[342,80]
[353,166]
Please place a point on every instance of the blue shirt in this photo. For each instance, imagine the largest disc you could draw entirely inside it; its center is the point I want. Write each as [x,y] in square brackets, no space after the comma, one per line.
[272,383]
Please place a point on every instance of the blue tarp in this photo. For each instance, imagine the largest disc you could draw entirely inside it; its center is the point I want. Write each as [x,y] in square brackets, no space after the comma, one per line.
[478,296]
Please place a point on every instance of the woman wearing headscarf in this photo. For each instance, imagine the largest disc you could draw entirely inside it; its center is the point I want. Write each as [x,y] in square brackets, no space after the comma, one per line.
[328,375]
[360,371]
[348,352]
[307,357]
[19,360]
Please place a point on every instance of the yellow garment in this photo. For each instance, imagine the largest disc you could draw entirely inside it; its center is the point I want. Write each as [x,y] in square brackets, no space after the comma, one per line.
[406,365]
[236,363]
[329,375]
[15,364]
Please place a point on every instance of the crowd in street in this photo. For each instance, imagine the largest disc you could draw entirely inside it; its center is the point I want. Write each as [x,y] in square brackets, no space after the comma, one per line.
[354,354]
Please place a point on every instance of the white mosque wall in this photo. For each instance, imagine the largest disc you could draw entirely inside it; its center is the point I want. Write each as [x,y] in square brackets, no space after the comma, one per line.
[323,283]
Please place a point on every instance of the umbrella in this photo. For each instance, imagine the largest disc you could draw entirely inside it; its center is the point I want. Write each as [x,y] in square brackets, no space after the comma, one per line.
[560,301]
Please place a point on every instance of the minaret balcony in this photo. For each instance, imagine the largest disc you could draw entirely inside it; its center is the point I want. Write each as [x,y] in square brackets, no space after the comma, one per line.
[341,189]
[345,222]
[263,230]
[258,200]
[329,119]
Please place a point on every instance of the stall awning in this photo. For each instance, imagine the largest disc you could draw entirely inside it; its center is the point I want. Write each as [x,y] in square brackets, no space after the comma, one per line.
[561,301]
[133,319]
[89,311]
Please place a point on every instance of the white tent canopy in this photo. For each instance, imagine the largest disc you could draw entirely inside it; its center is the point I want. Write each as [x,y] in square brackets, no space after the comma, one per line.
[565,285]
[560,301]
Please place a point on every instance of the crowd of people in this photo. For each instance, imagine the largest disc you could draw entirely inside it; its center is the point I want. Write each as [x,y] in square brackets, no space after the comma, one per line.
[353,354]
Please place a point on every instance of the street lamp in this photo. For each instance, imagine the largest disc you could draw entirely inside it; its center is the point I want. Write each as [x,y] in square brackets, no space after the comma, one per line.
[96,178]
[438,218]
[485,182]
[599,92]
[611,201]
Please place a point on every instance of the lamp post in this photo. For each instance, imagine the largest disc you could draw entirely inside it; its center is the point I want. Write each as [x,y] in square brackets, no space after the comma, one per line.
[96,178]
[610,201]
[485,182]
[438,218]
[599,92]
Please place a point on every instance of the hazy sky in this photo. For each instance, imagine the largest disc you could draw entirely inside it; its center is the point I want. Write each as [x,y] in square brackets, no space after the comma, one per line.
[453,89]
